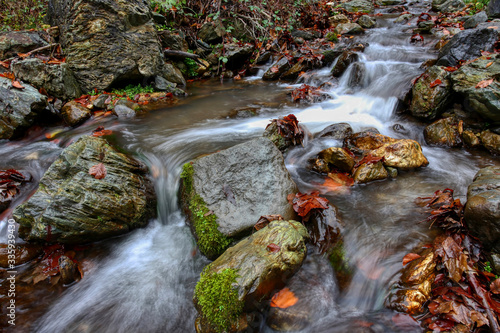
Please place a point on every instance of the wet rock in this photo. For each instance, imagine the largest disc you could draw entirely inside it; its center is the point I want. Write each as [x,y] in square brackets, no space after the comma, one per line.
[474,20]
[357,75]
[470,139]
[491,141]
[19,108]
[392,172]
[325,229]
[74,113]
[316,290]
[349,29]
[71,206]
[447,6]
[414,289]
[367,140]
[425,26]
[337,131]
[338,158]
[100,101]
[403,18]
[277,69]
[237,55]
[485,101]
[296,69]
[92,32]
[306,34]
[172,41]
[345,59]
[443,132]
[467,45]
[430,102]
[366,173]
[173,74]
[404,154]
[126,109]
[68,269]
[263,58]
[493,9]
[212,32]
[246,274]
[161,84]
[244,112]
[224,194]
[482,210]
[23,254]
[57,79]
[389,2]
[272,133]
[355,6]
[366,22]
[14,42]
[338,19]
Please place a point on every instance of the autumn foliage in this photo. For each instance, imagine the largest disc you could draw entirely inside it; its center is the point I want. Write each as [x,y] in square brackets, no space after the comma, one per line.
[304,203]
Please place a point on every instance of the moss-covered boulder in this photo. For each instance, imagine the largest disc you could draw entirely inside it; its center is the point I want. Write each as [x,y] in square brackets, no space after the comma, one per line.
[224,194]
[431,93]
[72,206]
[247,273]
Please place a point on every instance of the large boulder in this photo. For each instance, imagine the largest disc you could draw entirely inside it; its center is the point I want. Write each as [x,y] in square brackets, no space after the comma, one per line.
[224,194]
[483,100]
[237,55]
[431,93]
[57,79]
[14,42]
[482,210]
[19,108]
[72,206]
[493,9]
[467,45]
[355,6]
[107,41]
[247,273]
[447,6]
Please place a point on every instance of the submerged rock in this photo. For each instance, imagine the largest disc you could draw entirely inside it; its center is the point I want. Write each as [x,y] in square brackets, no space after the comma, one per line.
[225,193]
[23,254]
[443,132]
[19,108]
[431,93]
[247,273]
[482,210]
[72,206]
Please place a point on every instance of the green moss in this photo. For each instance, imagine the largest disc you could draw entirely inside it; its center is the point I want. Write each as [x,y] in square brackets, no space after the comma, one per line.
[132,90]
[218,299]
[340,263]
[210,240]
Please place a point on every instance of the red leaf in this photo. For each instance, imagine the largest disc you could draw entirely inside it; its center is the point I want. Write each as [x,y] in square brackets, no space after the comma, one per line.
[304,203]
[450,69]
[283,299]
[100,131]
[369,159]
[17,85]
[8,75]
[410,257]
[98,171]
[484,83]
[435,83]
[442,325]
[275,69]
[273,248]
[495,286]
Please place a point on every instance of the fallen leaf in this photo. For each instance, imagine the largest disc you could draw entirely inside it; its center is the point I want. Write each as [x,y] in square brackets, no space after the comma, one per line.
[484,83]
[495,286]
[98,171]
[435,83]
[100,131]
[8,75]
[265,220]
[275,69]
[283,299]
[228,192]
[410,257]
[303,203]
[17,85]
[273,248]
[489,64]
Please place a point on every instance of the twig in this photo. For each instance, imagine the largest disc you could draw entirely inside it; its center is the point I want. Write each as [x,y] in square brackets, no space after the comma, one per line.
[35,50]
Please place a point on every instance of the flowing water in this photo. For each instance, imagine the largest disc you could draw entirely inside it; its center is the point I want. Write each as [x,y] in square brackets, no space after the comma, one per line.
[143,281]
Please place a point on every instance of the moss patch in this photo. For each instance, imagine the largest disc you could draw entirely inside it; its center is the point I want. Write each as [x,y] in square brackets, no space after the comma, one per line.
[218,299]
[210,240]
[340,263]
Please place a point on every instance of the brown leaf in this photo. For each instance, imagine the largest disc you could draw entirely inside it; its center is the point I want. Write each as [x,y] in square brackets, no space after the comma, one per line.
[489,64]
[273,248]
[484,83]
[453,257]
[303,203]
[410,257]
[8,75]
[17,85]
[275,69]
[265,220]
[100,131]
[283,299]
[435,83]
[228,192]
[98,171]
[495,286]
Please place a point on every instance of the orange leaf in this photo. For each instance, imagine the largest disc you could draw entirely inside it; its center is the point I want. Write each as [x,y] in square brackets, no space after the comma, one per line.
[283,299]
[410,257]
[17,85]
[435,83]
[273,248]
[237,77]
[450,69]
[5,64]
[489,64]
[23,55]
[98,171]
[274,69]
[8,75]
[495,286]
[484,83]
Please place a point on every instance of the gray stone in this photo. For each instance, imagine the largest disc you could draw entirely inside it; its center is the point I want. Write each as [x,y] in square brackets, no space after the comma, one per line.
[172,41]
[345,59]
[337,19]
[402,19]
[238,185]
[107,42]
[389,2]
[355,6]
[14,42]
[305,34]
[474,20]
[19,108]
[212,32]
[173,74]
[57,79]
[482,210]
[74,113]
[338,131]
[100,101]
[447,6]
[71,206]
[126,109]
[493,9]
[237,55]
[467,45]
[349,29]
[366,22]
[277,69]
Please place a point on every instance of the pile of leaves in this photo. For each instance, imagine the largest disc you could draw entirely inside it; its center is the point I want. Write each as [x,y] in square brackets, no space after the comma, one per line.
[22,14]
[289,129]
[10,180]
[306,93]
[463,295]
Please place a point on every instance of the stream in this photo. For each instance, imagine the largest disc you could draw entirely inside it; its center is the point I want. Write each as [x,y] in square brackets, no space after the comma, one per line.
[144,281]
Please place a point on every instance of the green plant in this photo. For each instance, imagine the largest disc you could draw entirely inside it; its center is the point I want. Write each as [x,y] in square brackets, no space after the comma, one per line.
[132,90]
[477,5]
[192,67]
[22,15]
[218,299]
